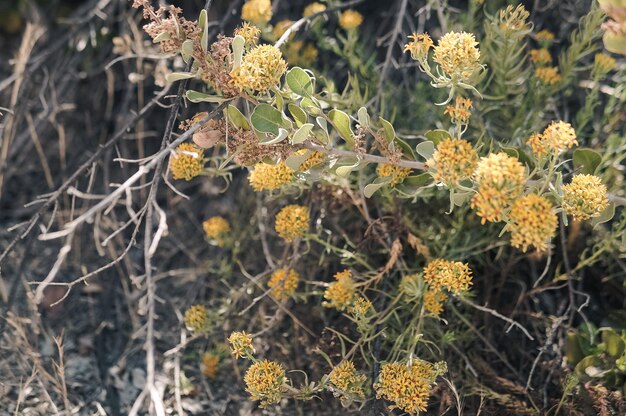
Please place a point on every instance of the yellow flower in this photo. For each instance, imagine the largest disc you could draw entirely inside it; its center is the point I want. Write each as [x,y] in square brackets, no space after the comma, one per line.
[210,362]
[258,12]
[264,381]
[283,283]
[548,75]
[299,54]
[260,69]
[249,33]
[340,294]
[419,46]
[345,378]
[532,222]
[314,159]
[433,301]
[313,8]
[544,36]
[556,138]
[266,177]
[585,197]
[215,228]
[197,319]
[603,64]
[459,112]
[396,173]
[540,56]
[292,222]
[187,162]
[281,27]
[241,344]
[361,307]
[408,386]
[458,55]
[453,161]
[350,19]
[454,276]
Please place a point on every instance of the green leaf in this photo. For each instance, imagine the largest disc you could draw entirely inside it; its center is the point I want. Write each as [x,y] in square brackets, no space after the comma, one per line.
[294,160]
[236,118]
[200,97]
[299,82]
[237,45]
[363,117]
[425,149]
[573,349]
[266,119]
[282,135]
[418,180]
[388,129]
[311,105]
[613,343]
[186,50]
[345,170]
[321,121]
[161,37]
[373,187]
[436,136]
[586,160]
[302,133]
[177,76]
[606,216]
[298,114]
[202,23]
[590,366]
[341,122]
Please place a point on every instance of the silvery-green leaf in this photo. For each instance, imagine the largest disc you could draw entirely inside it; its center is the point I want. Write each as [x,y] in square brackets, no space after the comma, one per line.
[186,50]
[266,119]
[363,117]
[299,82]
[425,149]
[437,136]
[341,121]
[606,216]
[294,160]
[345,170]
[163,36]
[373,187]
[302,134]
[237,45]
[177,76]
[236,118]
[200,97]
[202,23]
[388,130]
[282,135]
[298,114]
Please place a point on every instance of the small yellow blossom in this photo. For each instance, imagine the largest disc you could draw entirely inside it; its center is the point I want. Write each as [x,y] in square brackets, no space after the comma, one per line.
[433,301]
[585,197]
[264,380]
[241,344]
[197,319]
[459,112]
[532,222]
[556,138]
[350,19]
[266,177]
[548,75]
[345,378]
[313,8]
[453,161]
[258,12]
[281,27]
[314,159]
[458,55]
[210,362]
[361,307]
[186,162]
[340,294]
[454,276]
[406,385]
[396,173]
[260,69]
[603,64]
[544,36]
[283,283]
[215,228]
[540,56]
[249,33]
[292,222]
[419,46]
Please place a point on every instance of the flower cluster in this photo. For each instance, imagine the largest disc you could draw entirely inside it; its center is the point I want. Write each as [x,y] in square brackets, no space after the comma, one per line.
[292,222]
[532,222]
[396,173]
[260,69]
[314,159]
[361,307]
[197,319]
[340,294]
[556,138]
[500,179]
[215,228]
[249,33]
[548,75]
[283,283]
[313,8]
[433,301]
[264,381]
[454,276]
[419,46]
[258,12]
[458,55]
[602,65]
[346,381]
[459,113]
[187,161]
[266,177]
[540,56]
[241,344]
[407,385]
[210,363]
[350,19]
[585,197]
[544,36]
[453,161]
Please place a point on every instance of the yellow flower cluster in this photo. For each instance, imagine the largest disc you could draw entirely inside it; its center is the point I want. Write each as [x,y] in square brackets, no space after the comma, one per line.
[345,378]
[603,64]
[458,55]
[548,75]
[266,177]
[433,301]
[313,8]
[283,283]
[298,53]
[249,33]
[258,12]
[281,27]
[408,386]
[556,138]
[292,222]
[454,276]
[314,159]
[186,162]
[260,69]
[350,19]
[396,173]
[197,319]
[215,228]
[210,363]
[459,112]
[419,46]
[585,197]
[453,161]
[544,36]
[361,307]
[540,56]
[340,294]
[241,344]
[264,381]
[500,179]
[532,222]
